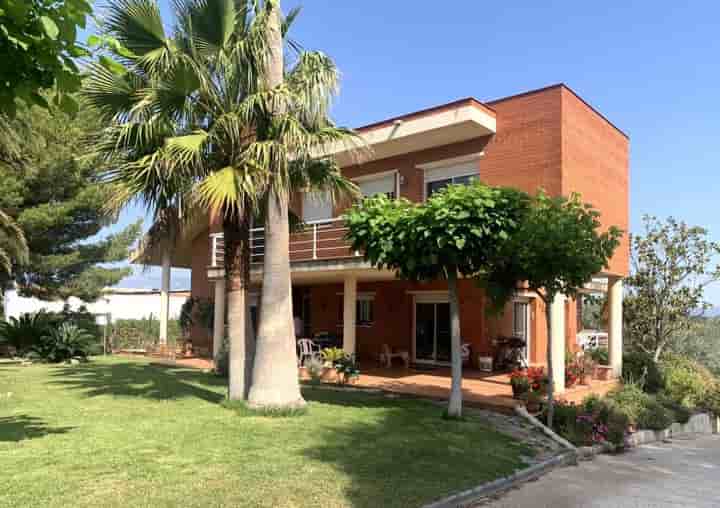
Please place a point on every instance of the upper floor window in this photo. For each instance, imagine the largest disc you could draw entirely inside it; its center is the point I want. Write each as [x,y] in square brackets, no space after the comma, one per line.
[373,185]
[316,206]
[459,171]
[436,185]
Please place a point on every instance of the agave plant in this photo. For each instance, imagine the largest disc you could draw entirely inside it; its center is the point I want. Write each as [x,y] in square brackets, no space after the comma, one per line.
[23,332]
[63,343]
[198,120]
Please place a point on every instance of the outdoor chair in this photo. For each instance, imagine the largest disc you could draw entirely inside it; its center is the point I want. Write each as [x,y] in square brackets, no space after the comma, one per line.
[386,356]
[307,349]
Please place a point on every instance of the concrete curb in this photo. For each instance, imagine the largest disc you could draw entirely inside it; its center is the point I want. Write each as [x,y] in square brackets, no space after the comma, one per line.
[472,496]
[701,423]
[522,412]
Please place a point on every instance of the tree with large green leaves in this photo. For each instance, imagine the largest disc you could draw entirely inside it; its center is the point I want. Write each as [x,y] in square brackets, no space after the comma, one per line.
[559,246]
[196,107]
[455,233]
[38,48]
[53,193]
[671,265]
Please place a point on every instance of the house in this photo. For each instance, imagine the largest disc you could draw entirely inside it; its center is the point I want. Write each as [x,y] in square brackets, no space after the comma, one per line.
[548,138]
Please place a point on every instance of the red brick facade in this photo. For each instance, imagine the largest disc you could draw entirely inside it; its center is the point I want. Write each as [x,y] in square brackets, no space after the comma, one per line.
[548,139]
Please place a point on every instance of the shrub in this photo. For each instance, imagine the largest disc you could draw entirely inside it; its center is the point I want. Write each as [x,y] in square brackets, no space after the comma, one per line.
[617,427]
[600,356]
[679,412]
[63,343]
[197,311]
[24,332]
[642,368]
[686,381]
[82,318]
[629,400]
[314,366]
[712,401]
[140,333]
[655,416]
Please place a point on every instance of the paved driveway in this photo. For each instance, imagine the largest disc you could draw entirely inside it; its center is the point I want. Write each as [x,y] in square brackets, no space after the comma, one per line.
[685,472]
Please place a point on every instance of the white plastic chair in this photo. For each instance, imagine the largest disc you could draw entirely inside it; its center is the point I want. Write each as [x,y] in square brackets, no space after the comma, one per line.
[306,349]
[386,356]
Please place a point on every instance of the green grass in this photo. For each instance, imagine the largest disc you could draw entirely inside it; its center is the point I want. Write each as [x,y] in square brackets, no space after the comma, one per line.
[119,432]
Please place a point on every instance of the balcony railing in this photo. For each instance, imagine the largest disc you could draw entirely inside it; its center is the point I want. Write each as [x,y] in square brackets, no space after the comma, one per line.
[318,240]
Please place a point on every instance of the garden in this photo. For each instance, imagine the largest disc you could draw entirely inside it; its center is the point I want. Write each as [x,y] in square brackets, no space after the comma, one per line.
[653,396]
[124,432]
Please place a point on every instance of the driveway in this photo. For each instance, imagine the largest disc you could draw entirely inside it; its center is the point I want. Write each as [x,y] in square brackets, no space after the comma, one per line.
[684,472]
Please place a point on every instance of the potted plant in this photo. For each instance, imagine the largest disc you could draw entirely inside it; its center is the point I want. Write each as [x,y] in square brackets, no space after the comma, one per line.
[347,370]
[330,357]
[520,383]
[586,367]
[538,380]
[532,401]
[314,367]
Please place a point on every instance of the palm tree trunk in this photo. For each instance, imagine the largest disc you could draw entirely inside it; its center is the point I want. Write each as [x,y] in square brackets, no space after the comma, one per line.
[275,377]
[455,402]
[237,263]
[550,387]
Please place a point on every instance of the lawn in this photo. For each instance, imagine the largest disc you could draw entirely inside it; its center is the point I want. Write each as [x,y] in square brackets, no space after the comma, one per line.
[122,432]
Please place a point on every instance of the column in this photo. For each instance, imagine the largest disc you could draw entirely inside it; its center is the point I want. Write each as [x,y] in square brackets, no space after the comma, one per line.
[557,342]
[615,324]
[165,295]
[219,316]
[349,310]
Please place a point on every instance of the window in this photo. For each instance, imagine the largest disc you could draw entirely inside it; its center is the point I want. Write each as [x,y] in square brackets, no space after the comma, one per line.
[364,310]
[374,185]
[459,171]
[436,185]
[316,206]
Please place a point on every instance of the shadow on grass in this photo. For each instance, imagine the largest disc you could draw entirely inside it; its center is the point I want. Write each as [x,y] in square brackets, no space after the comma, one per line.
[401,452]
[18,427]
[140,380]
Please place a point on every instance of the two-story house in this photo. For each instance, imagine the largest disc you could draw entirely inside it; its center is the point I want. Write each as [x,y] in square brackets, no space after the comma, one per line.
[548,138]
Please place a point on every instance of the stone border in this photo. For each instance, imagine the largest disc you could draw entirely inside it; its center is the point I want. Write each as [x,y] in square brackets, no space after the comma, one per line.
[472,496]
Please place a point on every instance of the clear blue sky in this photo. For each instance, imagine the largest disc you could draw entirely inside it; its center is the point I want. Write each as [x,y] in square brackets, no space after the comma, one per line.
[651,67]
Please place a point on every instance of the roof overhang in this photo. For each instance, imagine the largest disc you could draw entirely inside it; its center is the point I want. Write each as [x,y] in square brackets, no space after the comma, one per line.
[150,249]
[443,125]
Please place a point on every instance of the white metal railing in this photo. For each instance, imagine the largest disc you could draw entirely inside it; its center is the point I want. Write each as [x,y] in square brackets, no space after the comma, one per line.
[592,339]
[217,250]
[322,239]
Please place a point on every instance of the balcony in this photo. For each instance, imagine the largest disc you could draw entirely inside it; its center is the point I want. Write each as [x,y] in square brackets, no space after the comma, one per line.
[317,241]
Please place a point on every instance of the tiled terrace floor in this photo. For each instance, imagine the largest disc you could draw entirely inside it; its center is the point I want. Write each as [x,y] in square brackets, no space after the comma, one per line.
[489,391]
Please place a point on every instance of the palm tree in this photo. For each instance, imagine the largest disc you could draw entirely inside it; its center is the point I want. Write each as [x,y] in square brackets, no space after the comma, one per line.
[195,111]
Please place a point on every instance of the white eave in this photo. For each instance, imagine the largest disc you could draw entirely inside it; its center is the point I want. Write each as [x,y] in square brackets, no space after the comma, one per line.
[443,125]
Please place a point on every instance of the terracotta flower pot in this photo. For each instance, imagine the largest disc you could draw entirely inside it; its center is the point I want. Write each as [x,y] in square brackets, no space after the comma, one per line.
[329,375]
[602,372]
[585,379]
[303,374]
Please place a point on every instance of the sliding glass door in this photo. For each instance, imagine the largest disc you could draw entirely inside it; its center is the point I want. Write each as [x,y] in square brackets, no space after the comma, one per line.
[432,332]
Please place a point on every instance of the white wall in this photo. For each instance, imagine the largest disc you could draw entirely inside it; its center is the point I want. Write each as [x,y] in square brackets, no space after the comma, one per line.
[119,305]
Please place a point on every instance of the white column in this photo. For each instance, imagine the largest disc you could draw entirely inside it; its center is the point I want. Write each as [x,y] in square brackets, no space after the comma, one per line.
[349,317]
[165,296]
[615,324]
[219,317]
[557,342]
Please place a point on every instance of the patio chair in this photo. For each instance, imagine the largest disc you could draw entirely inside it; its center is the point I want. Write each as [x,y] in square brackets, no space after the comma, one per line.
[307,349]
[386,356]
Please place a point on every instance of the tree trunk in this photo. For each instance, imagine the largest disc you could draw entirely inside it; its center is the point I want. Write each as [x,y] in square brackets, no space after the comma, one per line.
[241,344]
[455,402]
[550,386]
[275,375]
[275,381]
